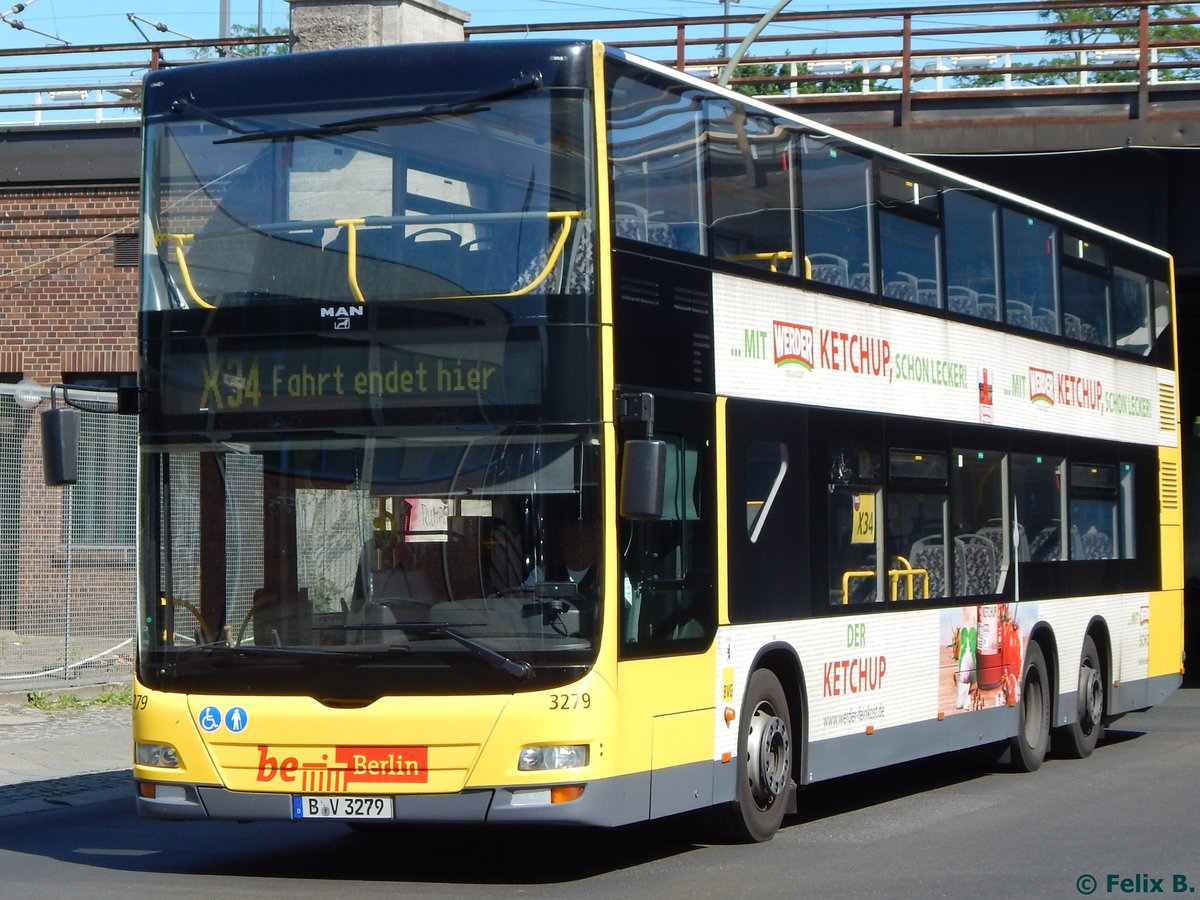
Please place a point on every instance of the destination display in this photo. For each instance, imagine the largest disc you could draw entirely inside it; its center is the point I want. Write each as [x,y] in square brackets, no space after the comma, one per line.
[237,377]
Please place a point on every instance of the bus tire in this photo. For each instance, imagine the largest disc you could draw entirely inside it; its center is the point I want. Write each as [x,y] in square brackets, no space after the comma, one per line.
[1033,735]
[1078,739]
[764,763]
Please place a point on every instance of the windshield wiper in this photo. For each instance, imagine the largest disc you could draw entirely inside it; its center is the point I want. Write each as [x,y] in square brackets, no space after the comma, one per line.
[524,82]
[185,104]
[222,656]
[516,668]
[221,652]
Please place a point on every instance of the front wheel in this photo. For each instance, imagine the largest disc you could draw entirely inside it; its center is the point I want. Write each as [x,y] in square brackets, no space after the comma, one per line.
[1033,737]
[1078,739]
[764,765]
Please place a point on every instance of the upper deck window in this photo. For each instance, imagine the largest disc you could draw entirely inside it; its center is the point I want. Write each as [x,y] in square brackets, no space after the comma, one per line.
[837,225]
[753,187]
[655,147]
[910,240]
[972,226]
[1030,258]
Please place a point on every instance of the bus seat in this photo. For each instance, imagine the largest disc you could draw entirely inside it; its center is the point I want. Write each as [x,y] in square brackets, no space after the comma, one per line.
[830,268]
[1046,545]
[1096,544]
[988,308]
[962,299]
[1019,314]
[929,553]
[979,570]
[899,290]
[1046,321]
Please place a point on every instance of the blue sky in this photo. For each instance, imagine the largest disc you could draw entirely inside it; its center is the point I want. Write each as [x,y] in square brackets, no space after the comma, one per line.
[105,21]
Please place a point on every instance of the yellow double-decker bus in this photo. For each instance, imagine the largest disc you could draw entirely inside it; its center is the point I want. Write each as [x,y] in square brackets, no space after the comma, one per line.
[530,433]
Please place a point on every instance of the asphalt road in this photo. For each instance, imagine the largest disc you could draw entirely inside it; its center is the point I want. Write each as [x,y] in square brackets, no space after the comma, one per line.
[1119,824]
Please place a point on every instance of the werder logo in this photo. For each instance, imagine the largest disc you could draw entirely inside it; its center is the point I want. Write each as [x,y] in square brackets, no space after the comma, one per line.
[794,344]
[1041,386]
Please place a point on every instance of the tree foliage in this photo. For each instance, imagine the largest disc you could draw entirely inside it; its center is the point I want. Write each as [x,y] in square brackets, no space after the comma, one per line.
[1080,29]
[245,31]
[759,87]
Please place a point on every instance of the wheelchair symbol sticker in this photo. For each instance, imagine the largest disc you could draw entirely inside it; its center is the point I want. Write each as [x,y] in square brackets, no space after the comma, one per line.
[209,718]
[235,719]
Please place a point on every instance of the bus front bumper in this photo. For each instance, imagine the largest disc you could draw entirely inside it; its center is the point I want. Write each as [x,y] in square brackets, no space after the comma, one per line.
[607,802]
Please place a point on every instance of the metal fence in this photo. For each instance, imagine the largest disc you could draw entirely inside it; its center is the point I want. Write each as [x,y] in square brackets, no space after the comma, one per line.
[1012,45]
[67,556]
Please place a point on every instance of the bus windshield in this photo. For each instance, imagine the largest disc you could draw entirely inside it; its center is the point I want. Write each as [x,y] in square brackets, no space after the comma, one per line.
[478,195]
[420,561]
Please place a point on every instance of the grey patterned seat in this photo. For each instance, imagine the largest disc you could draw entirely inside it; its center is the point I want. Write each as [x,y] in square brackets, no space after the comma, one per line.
[829,268]
[1096,544]
[963,300]
[929,553]
[977,574]
[1046,545]
[580,263]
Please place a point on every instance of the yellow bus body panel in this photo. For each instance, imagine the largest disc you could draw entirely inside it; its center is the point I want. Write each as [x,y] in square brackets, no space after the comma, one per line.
[666,727]
[411,745]
[1166,633]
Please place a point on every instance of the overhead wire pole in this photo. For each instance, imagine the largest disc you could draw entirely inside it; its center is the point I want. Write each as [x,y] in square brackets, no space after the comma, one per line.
[750,38]
[21,26]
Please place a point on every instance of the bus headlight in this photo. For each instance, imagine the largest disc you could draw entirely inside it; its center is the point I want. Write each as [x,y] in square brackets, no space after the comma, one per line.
[164,756]
[555,756]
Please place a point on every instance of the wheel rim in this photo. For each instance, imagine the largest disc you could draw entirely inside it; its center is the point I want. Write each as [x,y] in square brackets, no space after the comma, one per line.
[769,755]
[1091,696]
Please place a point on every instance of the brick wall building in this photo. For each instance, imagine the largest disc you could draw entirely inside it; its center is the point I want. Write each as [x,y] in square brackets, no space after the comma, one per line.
[68,313]
[69,241]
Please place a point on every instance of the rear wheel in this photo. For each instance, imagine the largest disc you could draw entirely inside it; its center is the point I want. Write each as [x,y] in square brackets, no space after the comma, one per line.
[764,765]
[1033,738]
[1078,739]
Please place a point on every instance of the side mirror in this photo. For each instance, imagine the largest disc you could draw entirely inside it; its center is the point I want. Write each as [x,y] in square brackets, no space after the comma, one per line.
[60,445]
[643,476]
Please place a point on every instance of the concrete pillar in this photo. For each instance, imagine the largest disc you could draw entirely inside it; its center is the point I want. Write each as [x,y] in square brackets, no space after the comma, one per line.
[329,24]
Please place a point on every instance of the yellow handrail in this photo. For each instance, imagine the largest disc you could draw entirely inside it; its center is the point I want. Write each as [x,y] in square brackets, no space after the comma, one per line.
[351,226]
[774,256]
[204,630]
[894,576]
[905,570]
[555,253]
[551,260]
[848,575]
[177,239]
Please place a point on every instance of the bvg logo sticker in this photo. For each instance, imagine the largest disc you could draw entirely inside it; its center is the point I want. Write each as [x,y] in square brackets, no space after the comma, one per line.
[351,765]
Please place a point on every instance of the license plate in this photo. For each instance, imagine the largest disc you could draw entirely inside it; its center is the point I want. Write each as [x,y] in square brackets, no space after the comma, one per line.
[324,807]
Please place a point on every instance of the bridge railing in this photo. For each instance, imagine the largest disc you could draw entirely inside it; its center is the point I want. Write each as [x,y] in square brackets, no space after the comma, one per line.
[90,83]
[1066,44]
[1070,45]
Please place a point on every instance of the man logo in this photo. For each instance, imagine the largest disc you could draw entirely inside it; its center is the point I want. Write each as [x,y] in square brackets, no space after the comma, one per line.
[341,315]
